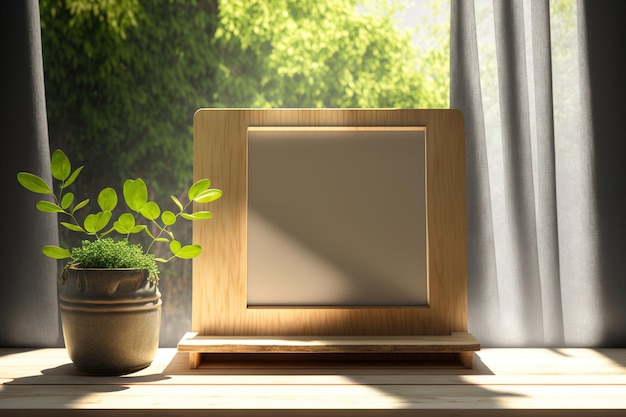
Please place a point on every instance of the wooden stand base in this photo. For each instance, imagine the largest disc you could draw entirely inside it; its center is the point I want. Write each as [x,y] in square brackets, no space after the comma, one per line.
[460,345]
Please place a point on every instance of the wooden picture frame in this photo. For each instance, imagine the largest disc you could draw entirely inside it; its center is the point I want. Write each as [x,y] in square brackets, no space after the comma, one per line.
[219,308]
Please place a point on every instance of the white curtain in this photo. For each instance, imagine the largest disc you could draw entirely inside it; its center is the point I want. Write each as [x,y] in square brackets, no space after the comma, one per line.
[540,269]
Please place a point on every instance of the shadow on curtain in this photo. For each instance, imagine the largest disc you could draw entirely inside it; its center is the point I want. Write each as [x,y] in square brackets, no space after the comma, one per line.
[28,302]
[540,89]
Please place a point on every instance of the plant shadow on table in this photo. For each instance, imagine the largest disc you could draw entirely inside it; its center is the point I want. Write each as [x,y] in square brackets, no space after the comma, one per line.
[67,384]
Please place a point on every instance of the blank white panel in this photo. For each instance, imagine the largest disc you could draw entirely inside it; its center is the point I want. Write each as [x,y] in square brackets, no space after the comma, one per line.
[336,217]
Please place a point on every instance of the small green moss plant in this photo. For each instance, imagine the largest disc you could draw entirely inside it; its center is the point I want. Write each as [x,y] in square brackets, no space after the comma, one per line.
[109,253]
[100,251]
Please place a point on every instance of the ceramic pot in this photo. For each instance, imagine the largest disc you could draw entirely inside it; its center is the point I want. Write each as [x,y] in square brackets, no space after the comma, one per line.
[111,319]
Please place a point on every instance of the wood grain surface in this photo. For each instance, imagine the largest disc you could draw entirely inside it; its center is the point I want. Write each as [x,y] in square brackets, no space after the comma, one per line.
[503,382]
[219,304]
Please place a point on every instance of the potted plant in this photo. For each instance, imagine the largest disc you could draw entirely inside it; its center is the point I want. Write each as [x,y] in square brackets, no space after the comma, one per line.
[108,294]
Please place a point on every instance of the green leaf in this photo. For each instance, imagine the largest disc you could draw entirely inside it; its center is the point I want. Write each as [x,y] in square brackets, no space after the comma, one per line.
[120,229]
[72,177]
[48,207]
[124,224]
[198,187]
[103,219]
[80,205]
[168,218]
[161,260]
[33,183]
[177,202]
[73,227]
[188,251]
[139,228]
[135,194]
[127,220]
[149,233]
[124,231]
[175,246]
[150,211]
[208,195]
[198,215]
[107,199]
[161,239]
[67,200]
[91,223]
[103,234]
[56,252]
[60,166]
[95,222]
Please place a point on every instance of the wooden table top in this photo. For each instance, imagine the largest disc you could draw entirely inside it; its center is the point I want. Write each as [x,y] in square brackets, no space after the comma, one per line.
[513,382]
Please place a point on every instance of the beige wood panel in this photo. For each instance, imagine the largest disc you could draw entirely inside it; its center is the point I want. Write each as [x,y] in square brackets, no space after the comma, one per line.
[336,217]
[219,273]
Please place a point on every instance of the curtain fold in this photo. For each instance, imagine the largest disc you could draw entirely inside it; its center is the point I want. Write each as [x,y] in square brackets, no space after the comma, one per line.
[603,69]
[544,163]
[465,92]
[28,302]
[540,271]
[518,276]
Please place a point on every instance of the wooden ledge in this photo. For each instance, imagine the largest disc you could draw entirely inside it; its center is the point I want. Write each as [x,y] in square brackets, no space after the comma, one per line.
[461,345]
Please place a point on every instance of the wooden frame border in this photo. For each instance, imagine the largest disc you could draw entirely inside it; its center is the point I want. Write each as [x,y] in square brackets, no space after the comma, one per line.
[219,305]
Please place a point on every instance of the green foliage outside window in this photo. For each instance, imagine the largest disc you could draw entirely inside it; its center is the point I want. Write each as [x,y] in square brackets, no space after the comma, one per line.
[124,77]
[334,53]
